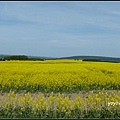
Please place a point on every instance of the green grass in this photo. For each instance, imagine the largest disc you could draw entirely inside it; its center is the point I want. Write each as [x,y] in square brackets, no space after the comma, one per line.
[28,113]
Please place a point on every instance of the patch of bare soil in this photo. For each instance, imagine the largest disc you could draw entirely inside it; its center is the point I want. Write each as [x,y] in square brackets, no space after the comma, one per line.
[71,95]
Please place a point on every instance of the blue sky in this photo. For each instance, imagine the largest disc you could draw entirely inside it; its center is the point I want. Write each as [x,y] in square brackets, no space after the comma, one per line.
[58,29]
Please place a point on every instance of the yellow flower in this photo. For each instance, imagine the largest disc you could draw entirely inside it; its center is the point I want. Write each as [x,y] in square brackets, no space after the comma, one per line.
[63,109]
[69,112]
[34,113]
[23,108]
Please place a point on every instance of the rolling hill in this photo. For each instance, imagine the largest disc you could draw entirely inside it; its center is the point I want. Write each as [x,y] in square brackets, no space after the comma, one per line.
[102,58]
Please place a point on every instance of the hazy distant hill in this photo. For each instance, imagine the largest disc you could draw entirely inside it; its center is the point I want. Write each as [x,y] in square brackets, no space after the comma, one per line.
[93,57]
[2,55]
[40,57]
[102,58]
[35,57]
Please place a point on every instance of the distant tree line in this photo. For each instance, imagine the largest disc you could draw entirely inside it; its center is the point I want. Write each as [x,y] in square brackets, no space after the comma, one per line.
[2,59]
[98,60]
[76,59]
[16,57]
[34,59]
[19,57]
[92,59]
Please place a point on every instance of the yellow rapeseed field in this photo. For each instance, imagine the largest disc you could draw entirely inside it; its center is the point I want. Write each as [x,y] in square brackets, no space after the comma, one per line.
[46,89]
[58,75]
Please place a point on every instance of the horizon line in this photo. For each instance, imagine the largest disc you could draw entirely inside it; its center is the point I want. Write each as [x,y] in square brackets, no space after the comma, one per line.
[61,56]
